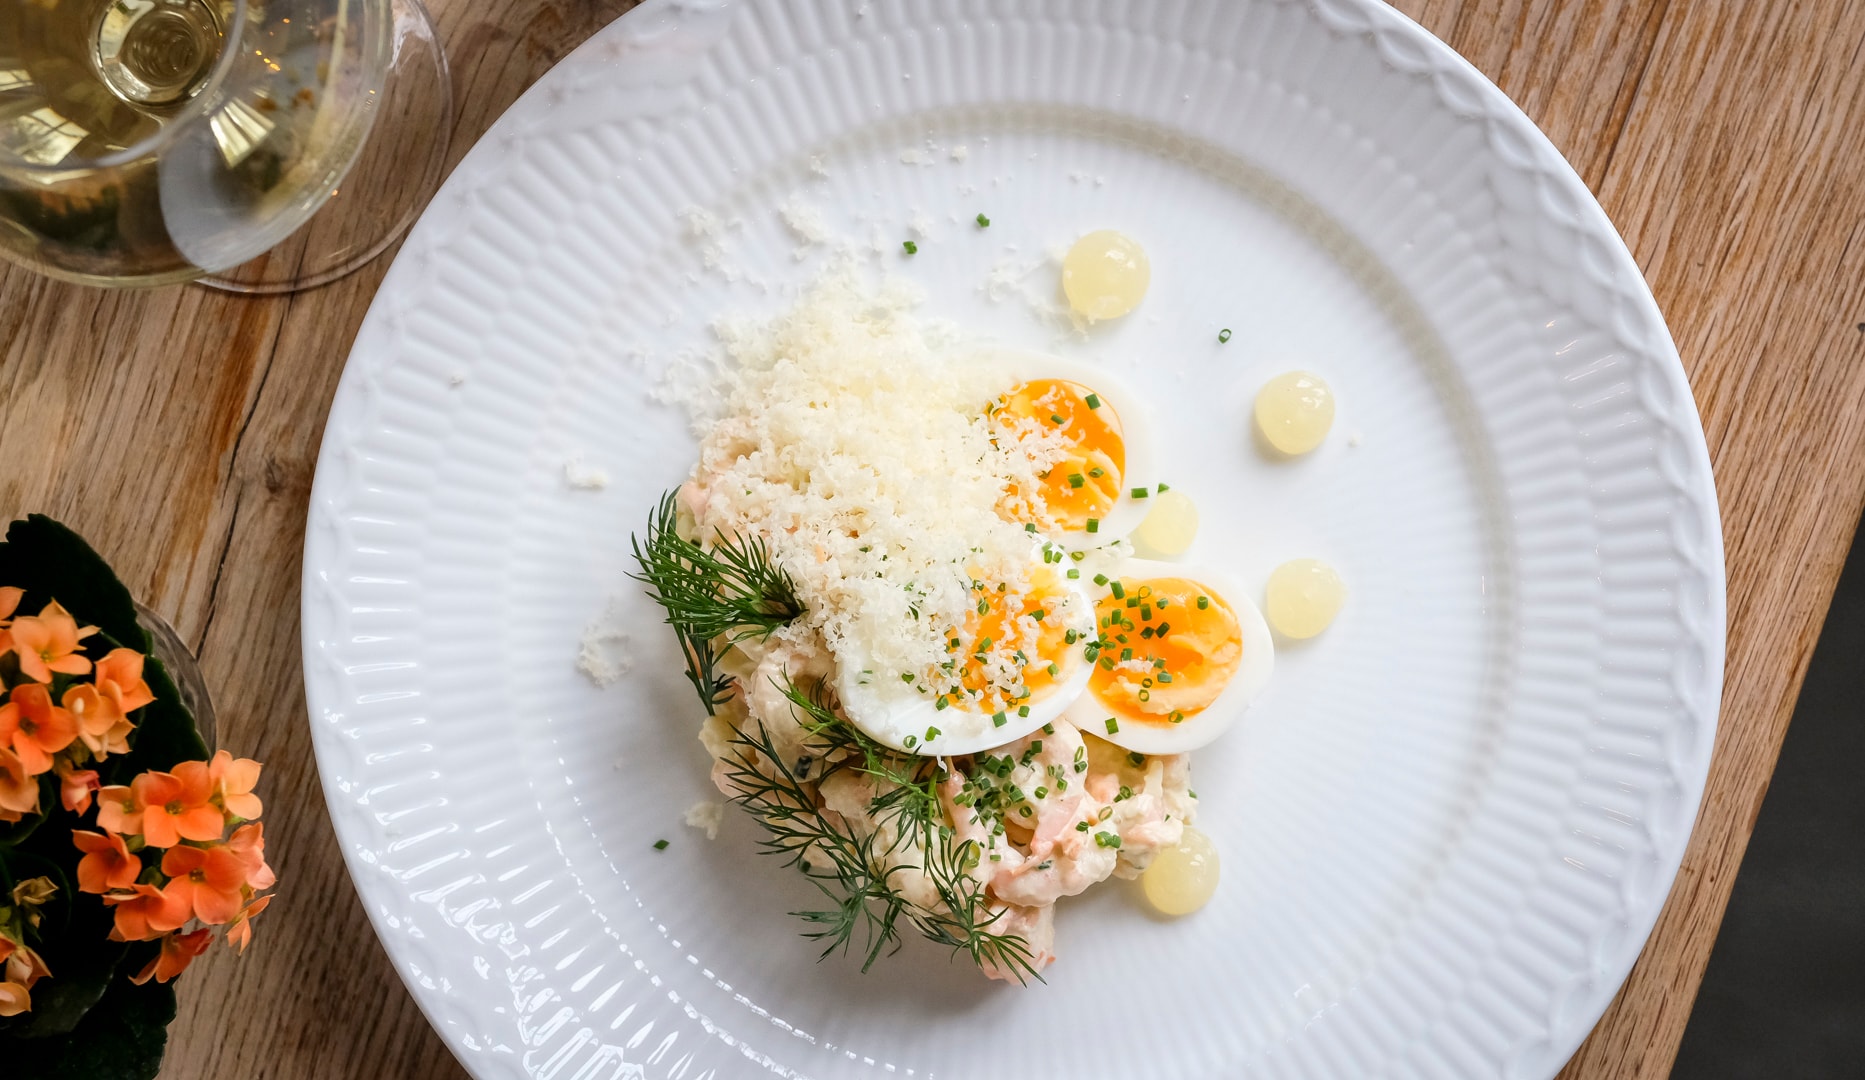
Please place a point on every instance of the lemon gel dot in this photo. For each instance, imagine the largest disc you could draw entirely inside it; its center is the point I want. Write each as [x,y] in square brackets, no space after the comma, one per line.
[1183,877]
[1295,411]
[1105,275]
[1169,527]
[1303,598]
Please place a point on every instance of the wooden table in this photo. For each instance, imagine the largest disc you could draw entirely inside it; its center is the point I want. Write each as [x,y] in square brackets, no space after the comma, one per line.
[178,430]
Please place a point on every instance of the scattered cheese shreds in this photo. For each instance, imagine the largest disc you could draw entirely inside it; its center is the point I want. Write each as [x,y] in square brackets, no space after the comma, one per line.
[707,817]
[604,655]
[584,477]
[854,439]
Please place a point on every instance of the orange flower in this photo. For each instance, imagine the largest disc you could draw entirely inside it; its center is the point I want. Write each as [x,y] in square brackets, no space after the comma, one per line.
[102,726]
[233,784]
[248,842]
[240,934]
[146,912]
[20,967]
[107,863]
[19,792]
[174,806]
[178,951]
[14,998]
[209,880]
[75,787]
[48,642]
[35,727]
[117,811]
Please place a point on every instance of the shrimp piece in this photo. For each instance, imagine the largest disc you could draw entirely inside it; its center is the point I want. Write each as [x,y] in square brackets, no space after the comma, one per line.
[1059,858]
[785,660]
[1036,926]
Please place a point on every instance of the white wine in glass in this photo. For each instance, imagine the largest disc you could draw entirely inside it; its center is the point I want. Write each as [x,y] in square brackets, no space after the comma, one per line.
[151,141]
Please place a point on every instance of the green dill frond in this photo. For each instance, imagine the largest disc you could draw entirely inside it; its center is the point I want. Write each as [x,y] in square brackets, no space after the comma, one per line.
[732,591]
[732,587]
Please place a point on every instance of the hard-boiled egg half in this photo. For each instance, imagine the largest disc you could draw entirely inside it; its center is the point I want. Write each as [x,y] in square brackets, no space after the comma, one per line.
[1180,653]
[1109,446]
[1014,666]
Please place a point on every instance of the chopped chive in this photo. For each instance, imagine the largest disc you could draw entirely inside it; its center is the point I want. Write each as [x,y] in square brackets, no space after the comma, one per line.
[1163,628]
[910,741]
[1138,759]
[1076,480]
[1223,336]
[941,703]
[985,223]
[1094,525]
[1113,726]
[1042,793]
[911,247]
[1097,472]
[1165,677]
[1055,418]
[905,678]
[1049,729]
[1147,633]
[999,720]
[1070,637]
[1038,614]
[984,607]
[1177,717]
[1138,493]
[1081,826]
[660,845]
[1106,839]
[1126,654]
[1119,590]
[1100,579]
[1146,695]
[1094,401]
[1023,710]
[1162,488]
[1203,602]
[932,733]
[1054,671]
[1073,574]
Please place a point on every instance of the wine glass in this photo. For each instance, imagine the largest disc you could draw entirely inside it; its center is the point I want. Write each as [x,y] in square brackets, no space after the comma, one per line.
[144,142]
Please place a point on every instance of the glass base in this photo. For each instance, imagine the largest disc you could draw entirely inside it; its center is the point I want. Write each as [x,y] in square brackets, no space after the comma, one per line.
[396,174]
[166,645]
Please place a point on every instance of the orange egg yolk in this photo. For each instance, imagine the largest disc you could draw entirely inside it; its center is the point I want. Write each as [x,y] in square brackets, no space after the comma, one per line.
[1085,484]
[1167,648]
[1010,651]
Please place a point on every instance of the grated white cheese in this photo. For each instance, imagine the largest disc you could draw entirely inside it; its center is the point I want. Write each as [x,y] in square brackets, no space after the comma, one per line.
[854,440]
[707,817]
[584,477]
[604,655]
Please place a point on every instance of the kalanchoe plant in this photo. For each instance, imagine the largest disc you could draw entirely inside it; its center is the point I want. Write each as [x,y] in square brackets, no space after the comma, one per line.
[123,843]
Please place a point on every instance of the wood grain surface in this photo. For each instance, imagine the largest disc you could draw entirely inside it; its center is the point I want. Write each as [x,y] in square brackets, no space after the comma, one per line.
[178,430]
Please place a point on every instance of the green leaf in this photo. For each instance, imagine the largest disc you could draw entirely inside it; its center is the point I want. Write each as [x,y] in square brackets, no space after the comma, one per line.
[122,1037]
[48,560]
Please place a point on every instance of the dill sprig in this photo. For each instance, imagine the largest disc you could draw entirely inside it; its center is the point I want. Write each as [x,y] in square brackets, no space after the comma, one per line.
[846,867]
[856,879]
[730,591]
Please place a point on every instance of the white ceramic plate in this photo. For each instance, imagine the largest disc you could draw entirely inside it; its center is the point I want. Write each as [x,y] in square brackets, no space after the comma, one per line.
[1448,826]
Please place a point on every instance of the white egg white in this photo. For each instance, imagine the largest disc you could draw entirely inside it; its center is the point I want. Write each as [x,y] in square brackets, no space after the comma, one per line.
[1204,727]
[891,712]
[1142,468]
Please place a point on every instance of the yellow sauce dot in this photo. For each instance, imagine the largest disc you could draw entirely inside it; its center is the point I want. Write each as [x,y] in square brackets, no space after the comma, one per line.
[1170,526]
[1182,878]
[1105,275]
[1295,411]
[1303,598]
